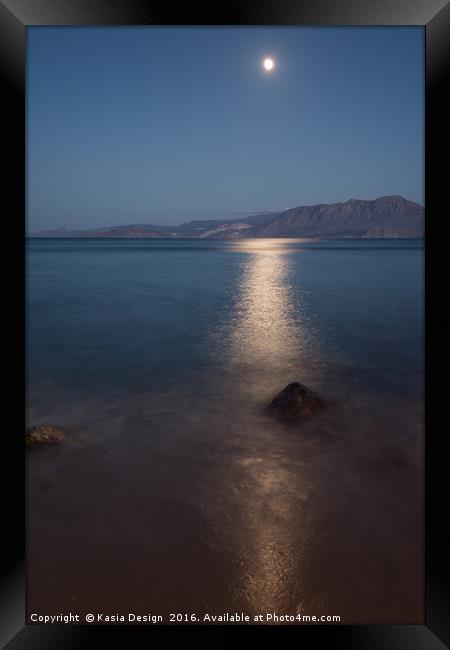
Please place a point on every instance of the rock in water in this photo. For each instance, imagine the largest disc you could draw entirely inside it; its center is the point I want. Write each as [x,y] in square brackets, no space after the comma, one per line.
[44,434]
[294,402]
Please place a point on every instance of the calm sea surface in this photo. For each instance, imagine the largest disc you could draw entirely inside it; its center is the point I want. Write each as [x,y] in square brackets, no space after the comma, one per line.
[176,492]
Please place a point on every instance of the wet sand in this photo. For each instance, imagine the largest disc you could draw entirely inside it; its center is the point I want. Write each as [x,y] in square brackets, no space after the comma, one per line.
[234,518]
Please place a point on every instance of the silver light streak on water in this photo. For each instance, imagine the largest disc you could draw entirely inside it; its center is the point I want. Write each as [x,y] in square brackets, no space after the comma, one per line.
[265,335]
[265,339]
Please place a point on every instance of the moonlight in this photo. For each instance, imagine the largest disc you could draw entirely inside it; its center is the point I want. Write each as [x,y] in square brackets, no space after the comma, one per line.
[268,64]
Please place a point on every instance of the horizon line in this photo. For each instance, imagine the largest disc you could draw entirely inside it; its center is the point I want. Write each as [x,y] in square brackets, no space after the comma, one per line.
[246,212]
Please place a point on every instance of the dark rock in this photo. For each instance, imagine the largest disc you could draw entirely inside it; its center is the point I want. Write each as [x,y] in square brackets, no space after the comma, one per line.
[294,402]
[44,434]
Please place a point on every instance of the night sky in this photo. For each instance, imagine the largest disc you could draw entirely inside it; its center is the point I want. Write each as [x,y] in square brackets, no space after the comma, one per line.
[165,125]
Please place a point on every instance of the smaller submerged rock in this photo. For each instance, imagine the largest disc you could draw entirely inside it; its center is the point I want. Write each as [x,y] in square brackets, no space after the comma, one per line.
[294,402]
[44,434]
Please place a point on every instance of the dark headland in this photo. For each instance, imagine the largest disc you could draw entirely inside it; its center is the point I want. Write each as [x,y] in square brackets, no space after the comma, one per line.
[385,217]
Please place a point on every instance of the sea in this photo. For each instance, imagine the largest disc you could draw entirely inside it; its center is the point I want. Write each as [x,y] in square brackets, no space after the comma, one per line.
[176,493]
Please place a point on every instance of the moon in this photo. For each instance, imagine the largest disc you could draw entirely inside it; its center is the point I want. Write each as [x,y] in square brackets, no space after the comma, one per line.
[268,64]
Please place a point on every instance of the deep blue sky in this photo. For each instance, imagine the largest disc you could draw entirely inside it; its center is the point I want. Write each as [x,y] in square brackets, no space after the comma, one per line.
[165,125]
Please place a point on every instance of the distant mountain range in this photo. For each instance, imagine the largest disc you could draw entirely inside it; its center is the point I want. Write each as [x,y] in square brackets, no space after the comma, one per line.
[385,217]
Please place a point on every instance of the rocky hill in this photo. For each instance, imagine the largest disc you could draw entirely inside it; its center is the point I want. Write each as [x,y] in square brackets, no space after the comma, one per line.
[385,217]
[388,216]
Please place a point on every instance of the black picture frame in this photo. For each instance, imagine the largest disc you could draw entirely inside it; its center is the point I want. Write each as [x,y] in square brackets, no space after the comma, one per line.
[15,17]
